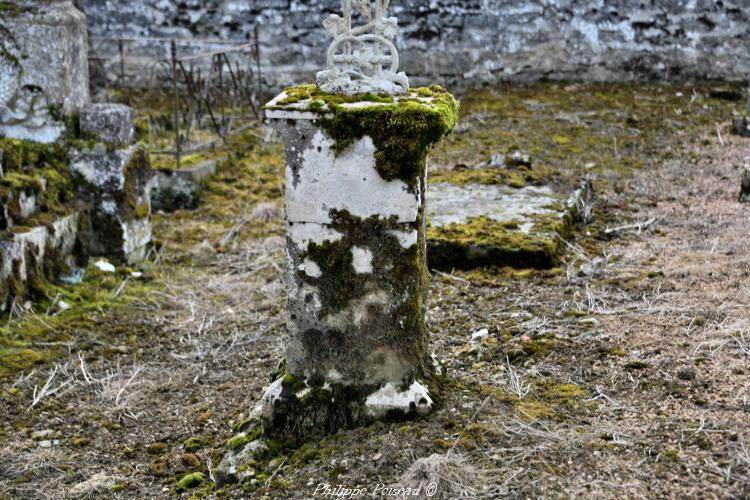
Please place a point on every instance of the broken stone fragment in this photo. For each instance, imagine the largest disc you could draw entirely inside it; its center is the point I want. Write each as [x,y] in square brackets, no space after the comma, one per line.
[109,123]
[179,189]
[115,184]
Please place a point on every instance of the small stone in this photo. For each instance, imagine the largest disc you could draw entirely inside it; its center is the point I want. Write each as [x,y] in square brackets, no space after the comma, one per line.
[740,126]
[110,123]
[480,335]
[377,457]
[204,417]
[45,434]
[745,183]
[517,159]
[686,374]
[275,464]
[104,266]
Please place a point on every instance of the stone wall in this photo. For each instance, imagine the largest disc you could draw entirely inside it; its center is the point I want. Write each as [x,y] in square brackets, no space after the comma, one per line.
[479,40]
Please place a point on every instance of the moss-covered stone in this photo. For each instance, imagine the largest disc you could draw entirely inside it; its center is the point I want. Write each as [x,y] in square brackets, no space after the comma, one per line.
[402,129]
[190,481]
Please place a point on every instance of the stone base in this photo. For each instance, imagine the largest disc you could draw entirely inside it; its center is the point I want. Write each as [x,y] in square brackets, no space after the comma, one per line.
[290,408]
[293,412]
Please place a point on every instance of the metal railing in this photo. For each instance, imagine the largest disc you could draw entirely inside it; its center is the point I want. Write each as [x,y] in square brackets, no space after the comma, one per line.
[215,93]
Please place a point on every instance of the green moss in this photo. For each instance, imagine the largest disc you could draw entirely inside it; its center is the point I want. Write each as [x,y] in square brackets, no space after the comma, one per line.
[304,454]
[402,129]
[534,348]
[191,480]
[310,93]
[14,360]
[238,442]
[611,351]
[292,383]
[276,446]
[243,425]
[401,132]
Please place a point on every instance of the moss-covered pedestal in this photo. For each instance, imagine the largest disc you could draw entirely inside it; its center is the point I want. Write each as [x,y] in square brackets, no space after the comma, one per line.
[357,274]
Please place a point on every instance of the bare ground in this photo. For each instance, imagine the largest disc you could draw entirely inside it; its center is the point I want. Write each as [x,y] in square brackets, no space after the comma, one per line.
[622,374]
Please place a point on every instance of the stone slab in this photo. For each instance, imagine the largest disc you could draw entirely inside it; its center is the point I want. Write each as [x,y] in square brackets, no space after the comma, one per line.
[479,225]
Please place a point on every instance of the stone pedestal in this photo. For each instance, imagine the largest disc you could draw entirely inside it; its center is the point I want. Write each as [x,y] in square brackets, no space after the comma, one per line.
[43,67]
[356,261]
[357,272]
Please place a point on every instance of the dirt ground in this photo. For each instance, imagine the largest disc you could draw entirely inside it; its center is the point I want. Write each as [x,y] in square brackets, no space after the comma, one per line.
[623,373]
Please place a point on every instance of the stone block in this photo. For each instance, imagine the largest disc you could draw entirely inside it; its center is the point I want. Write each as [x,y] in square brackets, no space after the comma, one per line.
[477,225]
[116,185]
[43,253]
[179,189]
[110,123]
[43,68]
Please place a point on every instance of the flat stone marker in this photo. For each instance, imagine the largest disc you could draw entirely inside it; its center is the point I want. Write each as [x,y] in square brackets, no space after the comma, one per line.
[477,225]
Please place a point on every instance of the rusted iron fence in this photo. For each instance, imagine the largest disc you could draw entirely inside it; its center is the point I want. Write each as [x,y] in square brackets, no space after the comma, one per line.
[215,93]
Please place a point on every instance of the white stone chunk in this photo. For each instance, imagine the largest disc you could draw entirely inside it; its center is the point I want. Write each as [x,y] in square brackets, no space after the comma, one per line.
[345,182]
[390,398]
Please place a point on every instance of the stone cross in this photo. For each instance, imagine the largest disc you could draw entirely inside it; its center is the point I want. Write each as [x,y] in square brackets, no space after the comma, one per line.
[364,58]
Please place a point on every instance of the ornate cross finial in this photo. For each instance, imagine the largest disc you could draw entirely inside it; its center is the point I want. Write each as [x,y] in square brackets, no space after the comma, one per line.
[362,59]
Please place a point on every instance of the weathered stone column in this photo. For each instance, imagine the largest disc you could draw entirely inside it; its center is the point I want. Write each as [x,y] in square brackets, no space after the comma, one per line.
[43,67]
[357,273]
